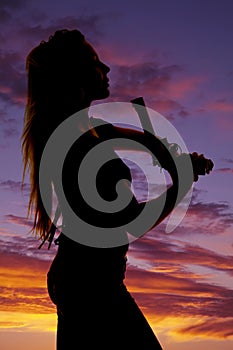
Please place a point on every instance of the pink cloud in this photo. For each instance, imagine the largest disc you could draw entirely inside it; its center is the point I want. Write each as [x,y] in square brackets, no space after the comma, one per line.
[158,83]
[14,186]
[180,89]
[172,256]
[220,106]
[225,170]
[19,220]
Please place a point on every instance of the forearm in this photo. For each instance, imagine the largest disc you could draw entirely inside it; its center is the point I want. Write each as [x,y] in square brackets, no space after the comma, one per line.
[146,142]
[157,209]
[151,213]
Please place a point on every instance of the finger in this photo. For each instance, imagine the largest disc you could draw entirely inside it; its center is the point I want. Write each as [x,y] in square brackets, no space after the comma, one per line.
[210,166]
[195,177]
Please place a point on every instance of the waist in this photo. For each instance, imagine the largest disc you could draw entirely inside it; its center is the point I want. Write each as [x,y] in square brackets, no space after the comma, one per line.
[88,264]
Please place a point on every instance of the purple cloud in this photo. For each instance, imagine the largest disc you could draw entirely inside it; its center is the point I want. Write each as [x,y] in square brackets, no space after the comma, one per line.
[14,186]
[171,255]
[19,220]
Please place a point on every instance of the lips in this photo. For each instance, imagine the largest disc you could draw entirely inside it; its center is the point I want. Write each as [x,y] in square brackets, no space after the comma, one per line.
[106,82]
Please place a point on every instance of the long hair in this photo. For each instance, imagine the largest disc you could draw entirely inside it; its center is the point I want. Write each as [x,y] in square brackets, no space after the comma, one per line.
[54,72]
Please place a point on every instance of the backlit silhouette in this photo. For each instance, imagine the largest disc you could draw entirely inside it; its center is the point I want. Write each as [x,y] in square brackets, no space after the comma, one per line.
[86,283]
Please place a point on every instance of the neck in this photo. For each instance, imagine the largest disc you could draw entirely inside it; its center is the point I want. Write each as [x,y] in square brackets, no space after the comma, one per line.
[83,120]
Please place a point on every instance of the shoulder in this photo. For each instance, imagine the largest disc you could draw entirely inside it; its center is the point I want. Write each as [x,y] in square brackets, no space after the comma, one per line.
[104,129]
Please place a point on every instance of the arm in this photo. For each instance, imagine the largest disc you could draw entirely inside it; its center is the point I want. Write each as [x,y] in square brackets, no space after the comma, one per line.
[183,169]
[159,208]
[143,141]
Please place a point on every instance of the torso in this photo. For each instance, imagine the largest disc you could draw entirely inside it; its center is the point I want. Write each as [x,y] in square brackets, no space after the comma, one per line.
[102,262]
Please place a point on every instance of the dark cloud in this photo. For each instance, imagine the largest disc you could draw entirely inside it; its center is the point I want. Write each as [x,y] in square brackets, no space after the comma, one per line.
[13,4]
[14,186]
[9,14]
[13,80]
[8,125]
[167,254]
[19,38]
[217,217]
[90,25]
[228,160]
[188,304]
[4,15]
[183,113]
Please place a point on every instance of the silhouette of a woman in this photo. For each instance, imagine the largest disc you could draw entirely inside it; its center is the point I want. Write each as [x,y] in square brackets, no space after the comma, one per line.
[86,283]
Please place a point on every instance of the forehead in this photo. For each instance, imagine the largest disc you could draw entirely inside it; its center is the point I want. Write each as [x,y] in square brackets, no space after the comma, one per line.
[89,51]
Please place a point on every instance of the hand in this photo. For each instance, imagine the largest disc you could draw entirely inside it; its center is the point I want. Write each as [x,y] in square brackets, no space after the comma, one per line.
[201,165]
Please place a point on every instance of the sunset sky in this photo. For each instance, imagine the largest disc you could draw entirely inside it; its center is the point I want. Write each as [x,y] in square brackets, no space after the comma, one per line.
[178,55]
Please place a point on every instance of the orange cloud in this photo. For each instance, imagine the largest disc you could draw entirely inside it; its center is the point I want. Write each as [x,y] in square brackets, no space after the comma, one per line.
[23,282]
[210,327]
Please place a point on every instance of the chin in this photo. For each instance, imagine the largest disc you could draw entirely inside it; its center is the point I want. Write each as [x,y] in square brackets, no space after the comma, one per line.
[102,95]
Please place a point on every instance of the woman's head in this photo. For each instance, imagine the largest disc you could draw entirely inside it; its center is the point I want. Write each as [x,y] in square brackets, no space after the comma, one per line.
[64,76]
[65,72]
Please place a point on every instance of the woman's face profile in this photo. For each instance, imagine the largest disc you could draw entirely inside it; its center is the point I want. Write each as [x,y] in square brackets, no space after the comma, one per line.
[95,80]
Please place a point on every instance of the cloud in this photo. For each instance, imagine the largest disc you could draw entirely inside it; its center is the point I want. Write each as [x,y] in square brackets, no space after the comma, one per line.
[13,80]
[23,286]
[142,77]
[18,39]
[225,170]
[211,327]
[221,106]
[155,249]
[228,160]
[26,245]
[168,296]
[163,288]
[90,25]
[4,16]
[206,218]
[13,4]
[156,81]
[15,186]
[175,294]
[185,304]
[8,125]
[8,7]
[181,88]
[211,210]
[173,257]
[19,220]
[209,218]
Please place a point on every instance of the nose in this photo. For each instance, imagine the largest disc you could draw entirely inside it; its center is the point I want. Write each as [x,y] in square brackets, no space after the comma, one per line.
[105,68]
